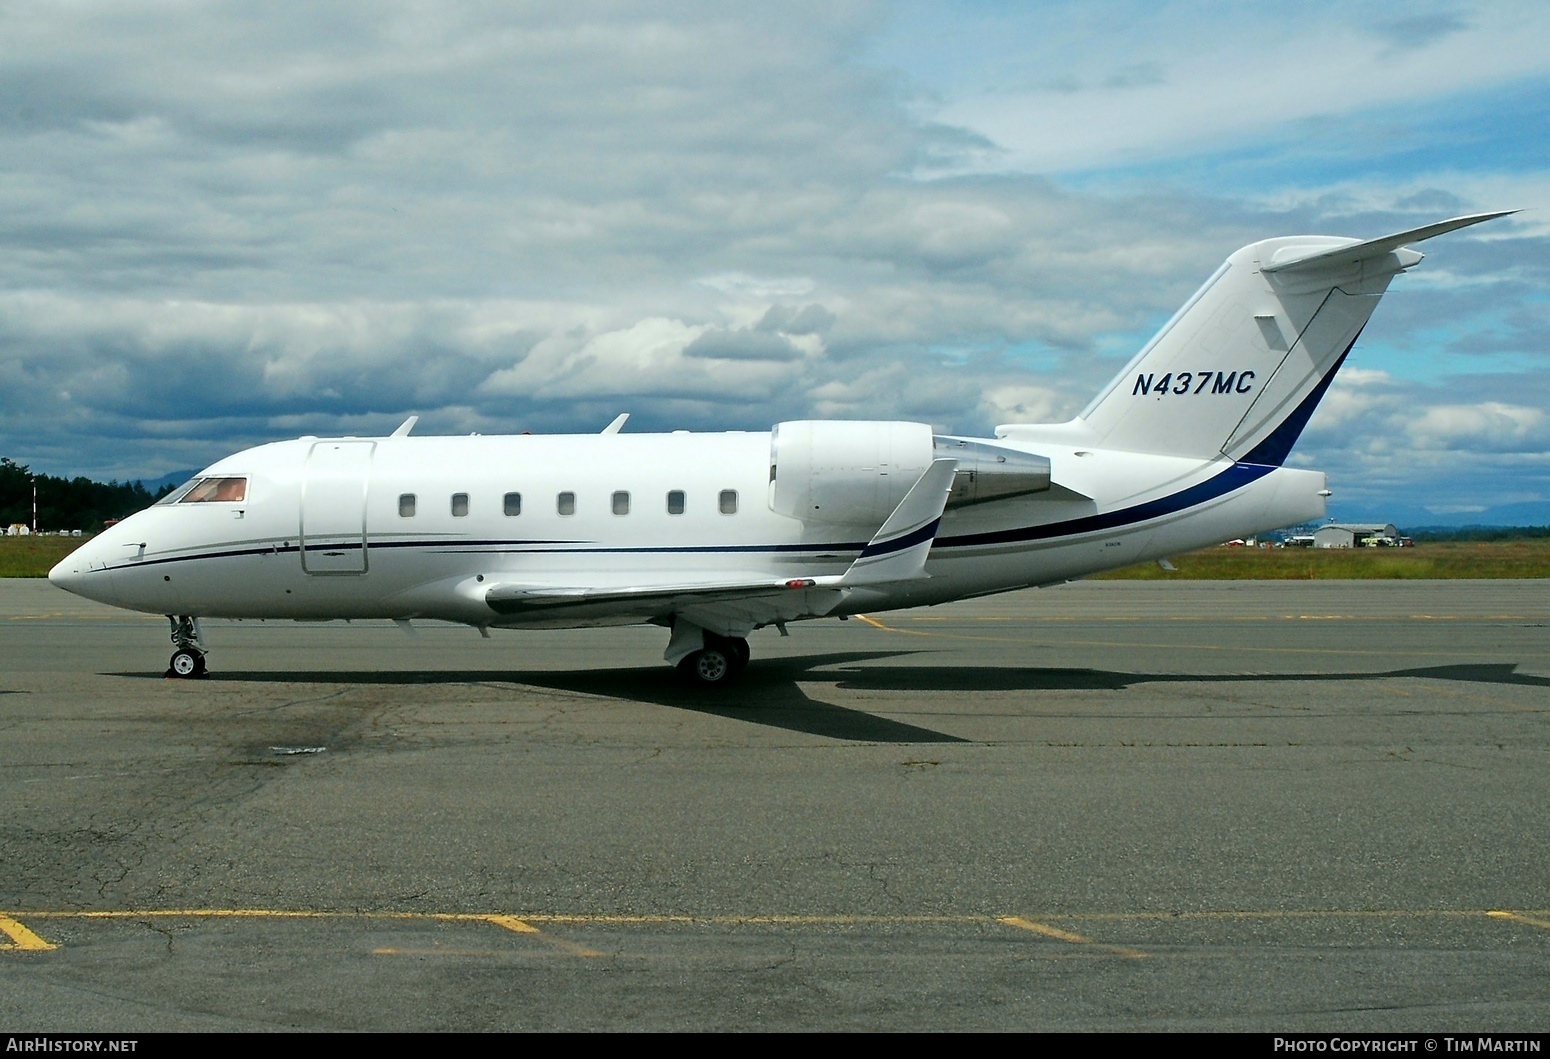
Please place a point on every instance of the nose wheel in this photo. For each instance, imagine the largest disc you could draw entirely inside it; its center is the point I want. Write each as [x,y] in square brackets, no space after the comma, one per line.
[188,656]
[187,662]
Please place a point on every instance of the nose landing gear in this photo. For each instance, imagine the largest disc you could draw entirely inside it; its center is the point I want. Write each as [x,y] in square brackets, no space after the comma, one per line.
[188,656]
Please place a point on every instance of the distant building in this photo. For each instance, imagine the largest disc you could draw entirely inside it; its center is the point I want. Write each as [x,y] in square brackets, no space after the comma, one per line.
[1356,535]
[18,529]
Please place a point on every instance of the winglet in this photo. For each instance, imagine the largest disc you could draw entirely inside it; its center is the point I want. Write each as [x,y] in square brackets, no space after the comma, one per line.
[405,427]
[618,423]
[898,550]
[1299,258]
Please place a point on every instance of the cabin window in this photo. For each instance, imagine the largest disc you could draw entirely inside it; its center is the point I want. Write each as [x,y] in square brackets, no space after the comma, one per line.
[621,503]
[216,490]
[728,502]
[565,503]
[675,502]
[459,505]
[512,504]
[406,505]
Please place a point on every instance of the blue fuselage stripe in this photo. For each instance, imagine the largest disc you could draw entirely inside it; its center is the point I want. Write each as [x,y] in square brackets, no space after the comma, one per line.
[1233,478]
[899,544]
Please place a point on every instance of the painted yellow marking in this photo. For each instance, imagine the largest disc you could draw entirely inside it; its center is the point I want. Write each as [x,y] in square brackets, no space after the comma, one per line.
[1039,928]
[733,920]
[1518,917]
[889,628]
[22,939]
[569,946]
[1292,913]
[512,923]
[817,920]
[440,952]
[1065,935]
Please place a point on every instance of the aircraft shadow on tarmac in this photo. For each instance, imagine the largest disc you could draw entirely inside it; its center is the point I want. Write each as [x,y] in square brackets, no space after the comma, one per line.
[770,693]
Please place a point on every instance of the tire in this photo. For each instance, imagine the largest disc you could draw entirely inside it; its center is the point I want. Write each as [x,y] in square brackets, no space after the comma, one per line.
[186,663]
[709,668]
[734,647]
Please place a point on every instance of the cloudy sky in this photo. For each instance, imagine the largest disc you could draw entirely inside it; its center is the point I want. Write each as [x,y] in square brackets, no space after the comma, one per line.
[226,223]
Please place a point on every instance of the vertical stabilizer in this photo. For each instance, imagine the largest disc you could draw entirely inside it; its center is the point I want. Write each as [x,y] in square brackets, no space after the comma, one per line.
[1239,370]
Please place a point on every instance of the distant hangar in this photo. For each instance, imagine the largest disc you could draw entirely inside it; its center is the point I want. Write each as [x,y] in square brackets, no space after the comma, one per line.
[1358,535]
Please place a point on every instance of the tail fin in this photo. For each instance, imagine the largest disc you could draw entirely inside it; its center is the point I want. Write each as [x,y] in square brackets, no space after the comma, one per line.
[1240,368]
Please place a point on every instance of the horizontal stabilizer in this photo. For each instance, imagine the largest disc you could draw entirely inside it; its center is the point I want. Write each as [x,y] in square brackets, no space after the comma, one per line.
[1301,258]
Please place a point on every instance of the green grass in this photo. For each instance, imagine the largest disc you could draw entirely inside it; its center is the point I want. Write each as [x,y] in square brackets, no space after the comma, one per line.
[34,556]
[1438,560]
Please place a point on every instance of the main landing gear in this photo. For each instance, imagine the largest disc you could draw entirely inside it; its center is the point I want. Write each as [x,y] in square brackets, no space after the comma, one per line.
[717,663]
[188,655]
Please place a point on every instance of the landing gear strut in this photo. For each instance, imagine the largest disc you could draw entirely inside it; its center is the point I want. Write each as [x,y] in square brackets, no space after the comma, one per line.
[188,655]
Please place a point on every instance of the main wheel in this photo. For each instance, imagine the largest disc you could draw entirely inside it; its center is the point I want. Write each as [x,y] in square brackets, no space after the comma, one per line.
[734,647]
[186,662]
[709,668]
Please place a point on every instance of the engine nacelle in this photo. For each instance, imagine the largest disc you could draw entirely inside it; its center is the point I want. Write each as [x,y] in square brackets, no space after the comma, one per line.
[989,472]
[836,471]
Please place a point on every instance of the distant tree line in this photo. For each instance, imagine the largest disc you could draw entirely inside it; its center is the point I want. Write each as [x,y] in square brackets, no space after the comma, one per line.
[68,503]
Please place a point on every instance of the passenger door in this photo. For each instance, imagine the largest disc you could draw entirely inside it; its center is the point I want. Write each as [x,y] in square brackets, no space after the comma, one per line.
[333,507]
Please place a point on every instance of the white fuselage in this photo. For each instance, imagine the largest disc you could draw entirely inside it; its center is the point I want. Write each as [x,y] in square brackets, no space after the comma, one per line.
[325,529]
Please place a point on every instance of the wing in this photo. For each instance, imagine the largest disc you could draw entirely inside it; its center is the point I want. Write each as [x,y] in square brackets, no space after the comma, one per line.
[734,604]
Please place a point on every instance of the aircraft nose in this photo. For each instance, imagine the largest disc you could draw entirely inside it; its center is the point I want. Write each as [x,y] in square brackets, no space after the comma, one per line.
[66,574]
[76,573]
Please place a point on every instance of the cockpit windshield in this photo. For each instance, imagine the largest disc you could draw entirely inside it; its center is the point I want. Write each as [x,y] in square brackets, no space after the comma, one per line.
[208,490]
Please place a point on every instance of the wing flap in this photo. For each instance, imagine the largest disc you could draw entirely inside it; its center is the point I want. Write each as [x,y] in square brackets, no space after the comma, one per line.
[731,608]
[516,598]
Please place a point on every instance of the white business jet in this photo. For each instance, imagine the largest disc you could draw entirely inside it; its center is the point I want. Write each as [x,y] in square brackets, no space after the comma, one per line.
[712,536]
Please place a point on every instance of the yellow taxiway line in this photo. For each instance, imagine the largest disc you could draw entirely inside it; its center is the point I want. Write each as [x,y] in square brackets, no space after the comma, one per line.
[22,939]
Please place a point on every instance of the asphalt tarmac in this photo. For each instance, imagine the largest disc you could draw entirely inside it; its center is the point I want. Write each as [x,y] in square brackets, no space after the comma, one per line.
[1283,806]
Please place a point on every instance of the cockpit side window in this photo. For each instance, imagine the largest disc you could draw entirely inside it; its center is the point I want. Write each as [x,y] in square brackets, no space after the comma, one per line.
[216,490]
[179,493]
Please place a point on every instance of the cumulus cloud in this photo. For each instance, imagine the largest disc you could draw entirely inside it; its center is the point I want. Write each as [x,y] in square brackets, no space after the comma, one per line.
[218,228]
[1491,426]
[1173,80]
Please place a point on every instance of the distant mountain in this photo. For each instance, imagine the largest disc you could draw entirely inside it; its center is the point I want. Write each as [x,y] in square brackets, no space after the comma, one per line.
[1415,517]
[176,478]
